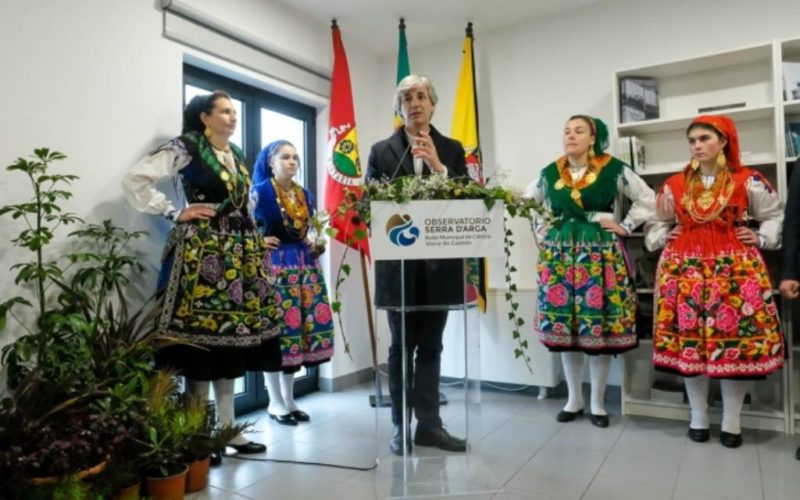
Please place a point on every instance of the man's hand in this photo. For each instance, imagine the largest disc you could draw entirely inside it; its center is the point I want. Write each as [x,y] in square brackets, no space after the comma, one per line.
[790,289]
[423,148]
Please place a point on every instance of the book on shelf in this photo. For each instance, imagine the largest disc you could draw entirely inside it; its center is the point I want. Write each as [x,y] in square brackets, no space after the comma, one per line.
[792,138]
[631,150]
[721,107]
[638,99]
[791,81]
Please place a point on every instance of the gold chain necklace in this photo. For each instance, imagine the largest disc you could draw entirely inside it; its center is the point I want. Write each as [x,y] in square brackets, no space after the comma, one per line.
[706,204]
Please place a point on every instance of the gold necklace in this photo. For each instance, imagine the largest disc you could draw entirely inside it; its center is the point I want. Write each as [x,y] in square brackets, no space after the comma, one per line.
[706,204]
[294,210]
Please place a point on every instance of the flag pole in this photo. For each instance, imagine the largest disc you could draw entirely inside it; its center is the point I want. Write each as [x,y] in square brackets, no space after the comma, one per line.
[377,399]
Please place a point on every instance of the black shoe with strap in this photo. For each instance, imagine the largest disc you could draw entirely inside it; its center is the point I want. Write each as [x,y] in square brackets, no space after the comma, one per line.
[300,415]
[249,448]
[699,435]
[599,420]
[730,440]
[568,416]
[287,419]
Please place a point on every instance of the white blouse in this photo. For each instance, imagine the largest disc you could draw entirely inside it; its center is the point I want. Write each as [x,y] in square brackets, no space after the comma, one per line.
[140,182]
[629,184]
[764,206]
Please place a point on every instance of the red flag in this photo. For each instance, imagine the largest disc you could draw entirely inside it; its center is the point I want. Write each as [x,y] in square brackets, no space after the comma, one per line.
[344,166]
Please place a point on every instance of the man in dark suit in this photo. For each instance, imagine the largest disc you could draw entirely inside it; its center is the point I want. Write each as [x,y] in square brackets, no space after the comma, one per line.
[418,148]
[790,274]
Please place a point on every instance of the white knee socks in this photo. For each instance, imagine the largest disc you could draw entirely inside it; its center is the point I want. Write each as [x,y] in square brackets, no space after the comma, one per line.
[733,393]
[223,392]
[697,390]
[573,372]
[598,369]
[287,389]
[277,405]
[198,388]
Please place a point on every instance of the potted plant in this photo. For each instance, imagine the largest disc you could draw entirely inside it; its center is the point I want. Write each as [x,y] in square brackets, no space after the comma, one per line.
[208,438]
[78,369]
[168,427]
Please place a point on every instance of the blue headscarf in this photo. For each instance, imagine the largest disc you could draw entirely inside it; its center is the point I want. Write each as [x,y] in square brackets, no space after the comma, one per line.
[262,194]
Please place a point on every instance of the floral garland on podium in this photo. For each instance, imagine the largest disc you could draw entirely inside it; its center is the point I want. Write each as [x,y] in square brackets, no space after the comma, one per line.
[435,187]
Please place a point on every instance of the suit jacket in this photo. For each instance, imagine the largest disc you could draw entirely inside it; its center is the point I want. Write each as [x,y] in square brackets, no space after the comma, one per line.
[791,228]
[427,282]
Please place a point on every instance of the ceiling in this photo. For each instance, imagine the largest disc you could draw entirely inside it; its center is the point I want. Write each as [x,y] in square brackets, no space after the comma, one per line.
[370,22]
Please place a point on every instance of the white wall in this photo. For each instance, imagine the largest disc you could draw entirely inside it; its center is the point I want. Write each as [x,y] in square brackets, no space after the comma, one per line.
[533,75]
[96,80]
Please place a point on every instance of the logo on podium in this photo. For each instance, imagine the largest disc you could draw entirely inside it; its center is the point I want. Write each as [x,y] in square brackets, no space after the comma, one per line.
[401,230]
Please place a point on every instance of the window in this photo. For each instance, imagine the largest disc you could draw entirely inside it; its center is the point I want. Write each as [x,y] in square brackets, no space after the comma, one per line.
[263,118]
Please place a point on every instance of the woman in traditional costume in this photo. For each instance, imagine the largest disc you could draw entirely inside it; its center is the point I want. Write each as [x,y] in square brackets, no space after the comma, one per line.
[587,303]
[283,210]
[215,286]
[715,313]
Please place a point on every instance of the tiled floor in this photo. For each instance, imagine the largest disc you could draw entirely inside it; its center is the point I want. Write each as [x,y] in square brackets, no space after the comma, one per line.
[518,452]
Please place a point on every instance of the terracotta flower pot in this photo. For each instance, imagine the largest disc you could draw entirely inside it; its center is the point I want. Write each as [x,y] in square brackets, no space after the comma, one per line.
[167,488]
[132,492]
[92,471]
[197,477]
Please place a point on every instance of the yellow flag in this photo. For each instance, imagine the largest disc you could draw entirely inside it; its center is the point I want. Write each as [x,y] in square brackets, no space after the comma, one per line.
[465,112]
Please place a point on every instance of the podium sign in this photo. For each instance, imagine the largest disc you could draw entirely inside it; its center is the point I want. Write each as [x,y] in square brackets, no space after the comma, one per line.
[436,229]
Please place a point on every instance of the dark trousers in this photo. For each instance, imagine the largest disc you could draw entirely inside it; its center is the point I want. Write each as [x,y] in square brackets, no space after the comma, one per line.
[424,352]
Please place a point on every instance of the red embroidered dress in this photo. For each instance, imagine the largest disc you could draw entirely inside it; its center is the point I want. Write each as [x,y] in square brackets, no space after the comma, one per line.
[715,311]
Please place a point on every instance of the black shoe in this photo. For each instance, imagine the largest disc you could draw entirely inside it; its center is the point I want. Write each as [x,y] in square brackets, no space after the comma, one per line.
[568,416]
[249,448]
[797,454]
[699,435]
[216,458]
[396,442]
[729,440]
[300,416]
[287,419]
[439,438]
[599,420]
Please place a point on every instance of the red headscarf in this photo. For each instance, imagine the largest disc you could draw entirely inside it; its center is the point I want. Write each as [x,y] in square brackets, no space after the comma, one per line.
[725,126]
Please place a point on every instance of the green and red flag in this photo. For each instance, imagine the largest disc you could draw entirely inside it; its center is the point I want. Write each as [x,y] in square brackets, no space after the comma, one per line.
[344,167]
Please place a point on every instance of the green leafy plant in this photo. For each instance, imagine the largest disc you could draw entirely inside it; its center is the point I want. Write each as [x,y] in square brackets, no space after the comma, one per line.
[77,375]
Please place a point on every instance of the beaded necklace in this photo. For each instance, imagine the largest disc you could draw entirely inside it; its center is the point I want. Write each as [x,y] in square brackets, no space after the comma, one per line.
[294,210]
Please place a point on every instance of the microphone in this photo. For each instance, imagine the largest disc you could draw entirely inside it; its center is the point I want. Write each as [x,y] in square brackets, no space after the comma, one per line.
[400,163]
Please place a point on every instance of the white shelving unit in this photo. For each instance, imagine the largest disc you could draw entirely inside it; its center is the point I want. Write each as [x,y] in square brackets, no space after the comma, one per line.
[752,78]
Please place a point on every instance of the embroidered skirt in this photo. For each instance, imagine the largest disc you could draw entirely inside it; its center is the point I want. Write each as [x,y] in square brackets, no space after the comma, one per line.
[716,315]
[216,290]
[304,309]
[586,297]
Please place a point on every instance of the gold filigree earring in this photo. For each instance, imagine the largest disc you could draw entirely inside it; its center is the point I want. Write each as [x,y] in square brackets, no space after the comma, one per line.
[695,164]
[721,160]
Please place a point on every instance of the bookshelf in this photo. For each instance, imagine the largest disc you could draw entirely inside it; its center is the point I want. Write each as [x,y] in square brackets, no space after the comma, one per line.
[752,79]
